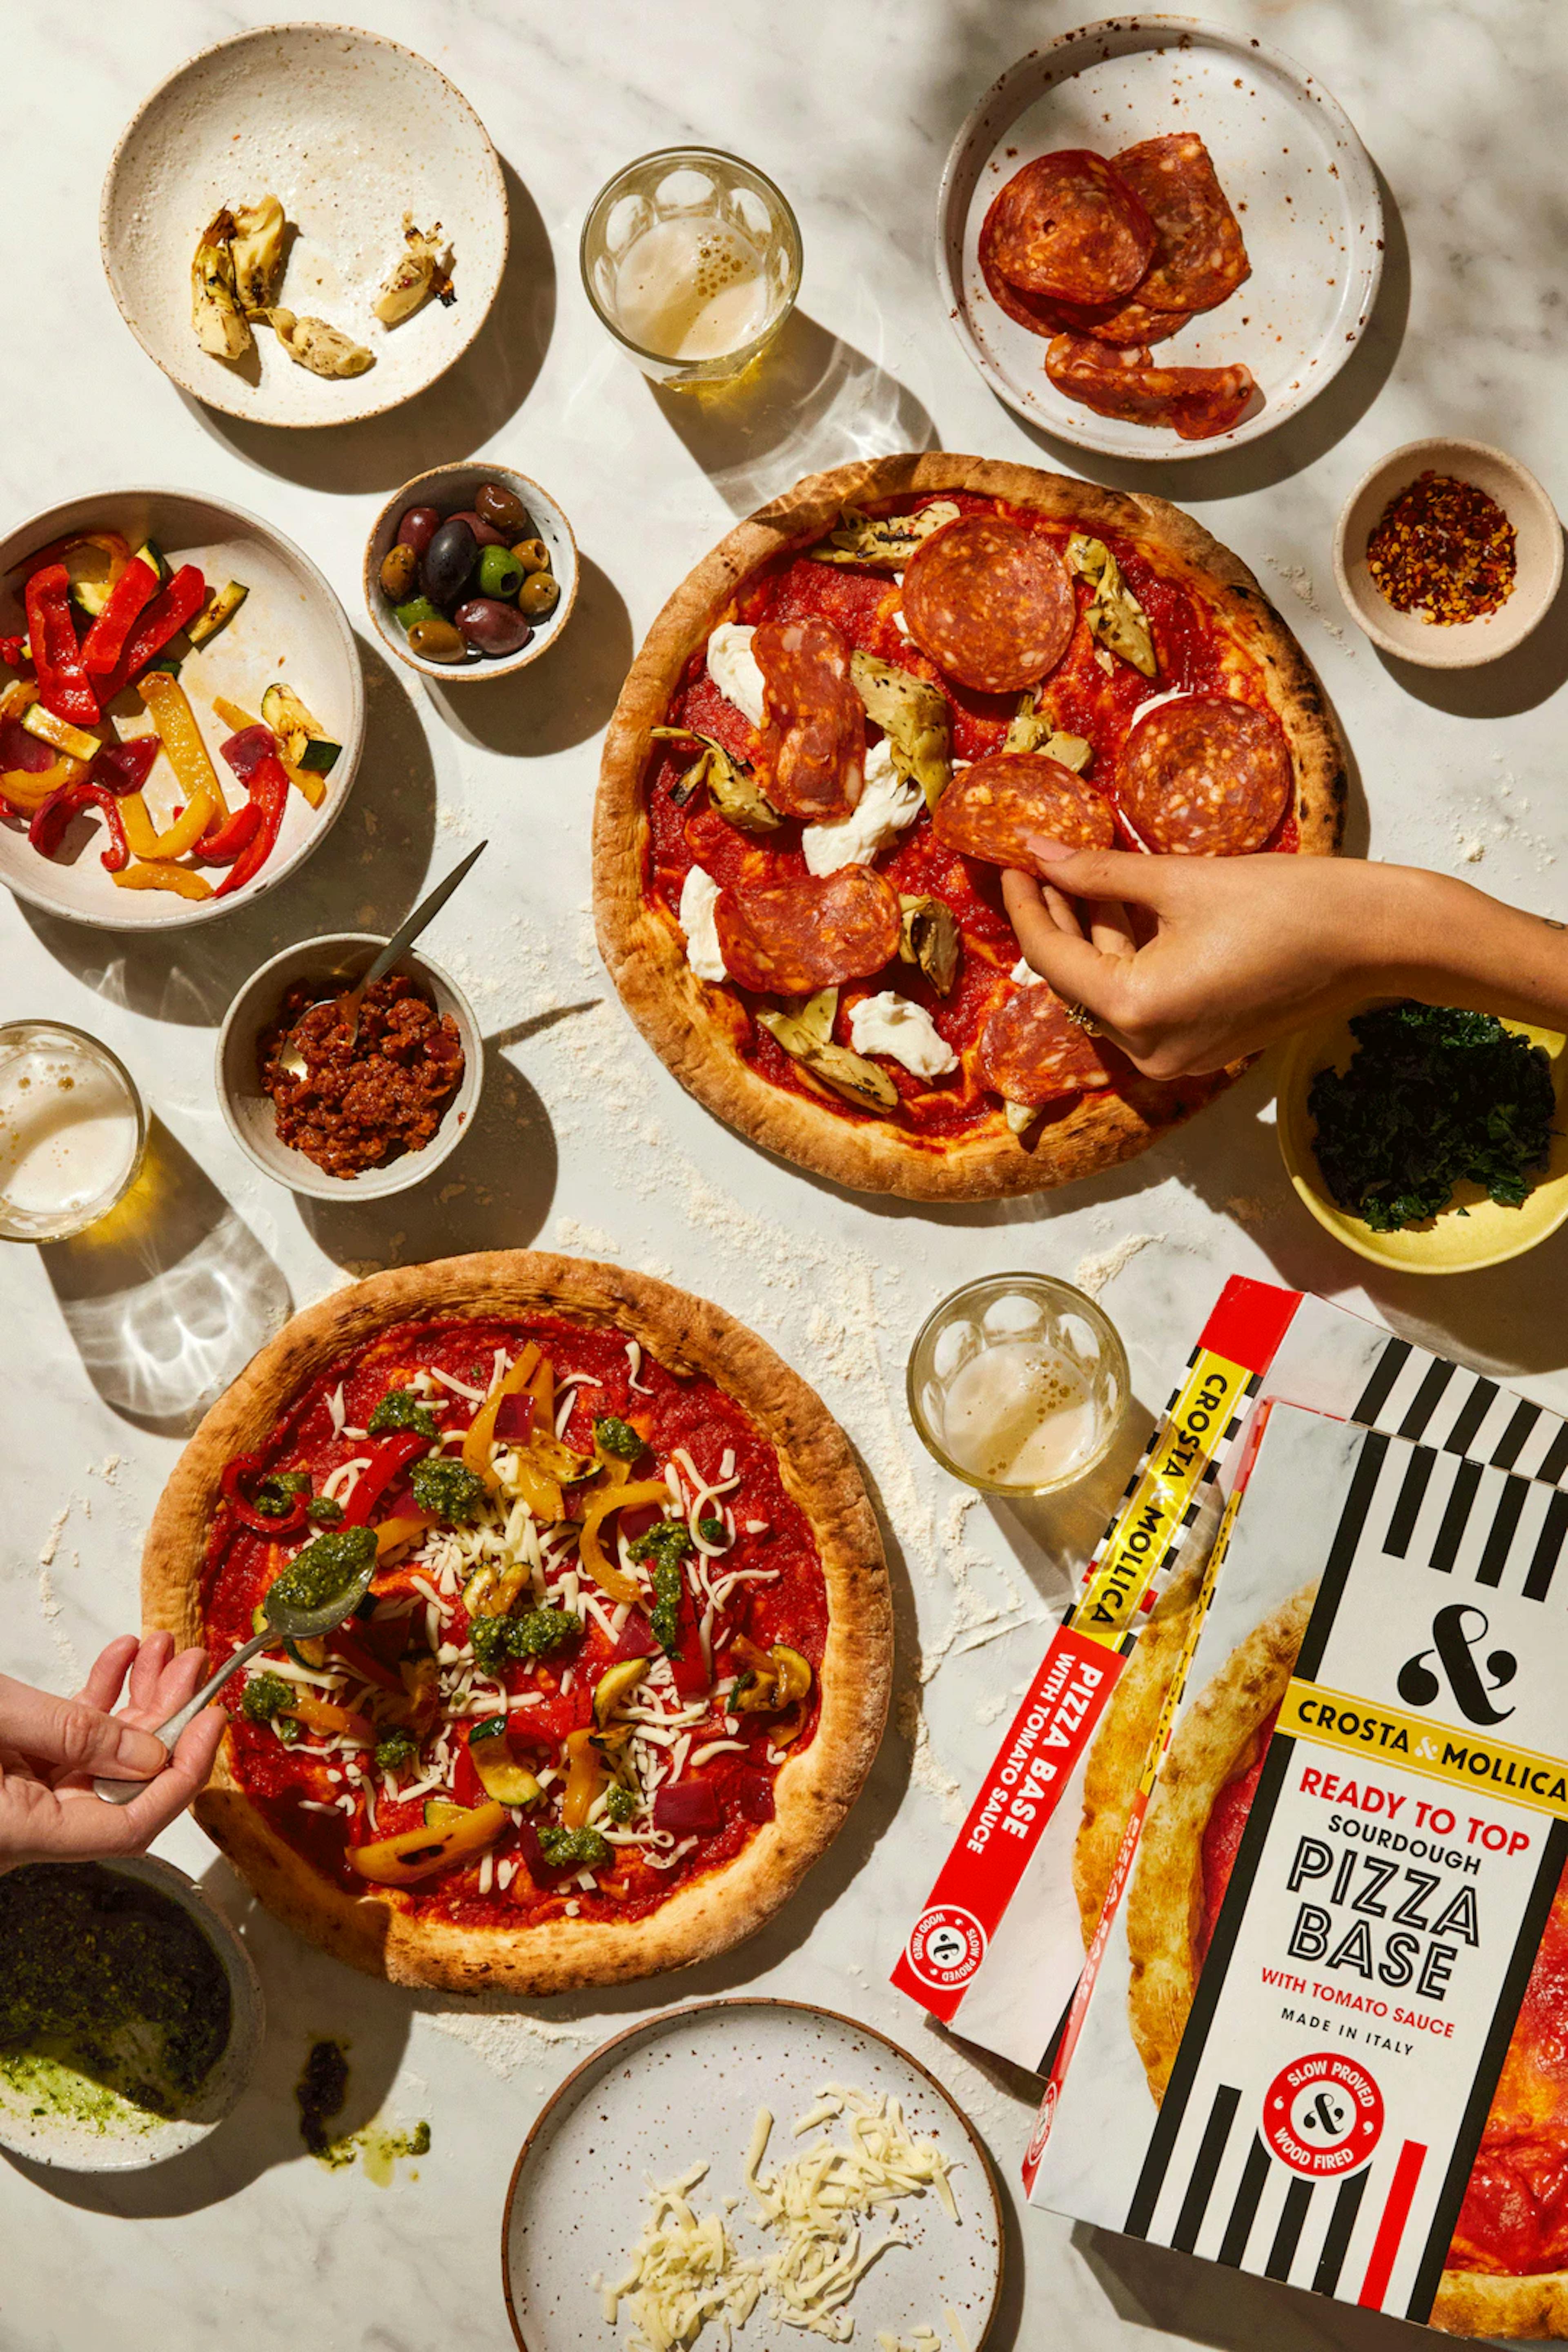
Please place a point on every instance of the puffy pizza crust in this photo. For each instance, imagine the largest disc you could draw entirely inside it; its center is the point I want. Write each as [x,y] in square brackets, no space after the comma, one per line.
[1479,2303]
[380,1932]
[693,1027]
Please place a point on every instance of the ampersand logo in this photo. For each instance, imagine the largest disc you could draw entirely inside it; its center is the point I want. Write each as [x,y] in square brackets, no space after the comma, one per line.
[1458,1633]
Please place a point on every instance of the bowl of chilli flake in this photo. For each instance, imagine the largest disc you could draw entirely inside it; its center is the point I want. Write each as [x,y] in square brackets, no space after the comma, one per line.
[1428,1138]
[129,2013]
[1448,553]
[341,1108]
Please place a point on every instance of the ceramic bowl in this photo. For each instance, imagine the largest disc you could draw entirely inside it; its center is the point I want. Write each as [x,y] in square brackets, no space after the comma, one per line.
[1473,1232]
[349,132]
[130,2141]
[1538,549]
[336,960]
[291,626]
[451,489]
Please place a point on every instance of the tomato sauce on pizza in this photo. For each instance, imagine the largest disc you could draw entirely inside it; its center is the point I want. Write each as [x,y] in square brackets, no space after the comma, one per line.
[593,1634]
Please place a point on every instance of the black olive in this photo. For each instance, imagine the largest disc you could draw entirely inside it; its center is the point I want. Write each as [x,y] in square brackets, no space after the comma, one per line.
[449,560]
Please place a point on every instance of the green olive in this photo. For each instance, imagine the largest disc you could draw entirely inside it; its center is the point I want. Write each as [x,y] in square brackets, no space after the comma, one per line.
[539,593]
[418,608]
[532,555]
[500,573]
[399,570]
[437,641]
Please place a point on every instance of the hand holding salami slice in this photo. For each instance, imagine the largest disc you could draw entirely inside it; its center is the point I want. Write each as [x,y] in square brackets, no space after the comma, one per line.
[811,756]
[1068,225]
[991,603]
[1196,403]
[1200,259]
[1031,1051]
[792,938]
[1204,777]
[999,808]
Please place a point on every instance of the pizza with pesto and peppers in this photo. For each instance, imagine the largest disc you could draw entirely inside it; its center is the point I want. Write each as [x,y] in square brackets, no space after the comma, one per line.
[872,699]
[623,1660]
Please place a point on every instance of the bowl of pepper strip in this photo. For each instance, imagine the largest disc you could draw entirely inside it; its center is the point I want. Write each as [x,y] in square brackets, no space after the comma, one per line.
[1449,553]
[181,709]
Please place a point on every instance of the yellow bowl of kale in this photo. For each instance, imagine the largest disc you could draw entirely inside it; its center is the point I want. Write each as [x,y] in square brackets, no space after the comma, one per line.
[1428,1140]
[129,2013]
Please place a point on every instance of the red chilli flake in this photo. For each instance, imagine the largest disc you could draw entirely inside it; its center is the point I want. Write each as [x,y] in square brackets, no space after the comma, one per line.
[1444,550]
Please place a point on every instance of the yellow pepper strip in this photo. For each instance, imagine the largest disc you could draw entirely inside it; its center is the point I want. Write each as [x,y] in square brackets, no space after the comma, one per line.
[540,1492]
[181,739]
[482,1428]
[18,697]
[23,790]
[498,1603]
[585,1776]
[74,741]
[237,721]
[419,1853]
[183,880]
[392,1534]
[146,841]
[320,1714]
[590,1553]
[541,1389]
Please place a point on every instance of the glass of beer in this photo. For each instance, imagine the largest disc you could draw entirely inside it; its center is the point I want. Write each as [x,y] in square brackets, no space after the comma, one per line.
[1017,1384]
[72,1130]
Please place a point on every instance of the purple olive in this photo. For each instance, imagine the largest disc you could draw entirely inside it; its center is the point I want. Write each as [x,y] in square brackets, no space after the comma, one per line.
[449,561]
[485,533]
[492,627]
[418,527]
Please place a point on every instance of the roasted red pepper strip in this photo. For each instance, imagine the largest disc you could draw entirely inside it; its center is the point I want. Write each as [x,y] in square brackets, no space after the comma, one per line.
[164,618]
[269,788]
[232,1487]
[125,767]
[468,1789]
[223,844]
[48,828]
[64,687]
[105,641]
[11,652]
[348,1647]
[393,1454]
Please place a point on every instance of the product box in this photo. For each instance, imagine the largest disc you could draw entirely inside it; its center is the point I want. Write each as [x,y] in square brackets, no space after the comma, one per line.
[1287,2057]
[997,1948]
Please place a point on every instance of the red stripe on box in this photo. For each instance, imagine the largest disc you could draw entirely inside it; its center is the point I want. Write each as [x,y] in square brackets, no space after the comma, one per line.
[1250,1320]
[1391,2229]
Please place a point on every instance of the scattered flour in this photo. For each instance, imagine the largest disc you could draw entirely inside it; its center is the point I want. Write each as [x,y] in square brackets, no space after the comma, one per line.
[505,2038]
[52,1540]
[924,1770]
[1102,1266]
[585,1241]
[1302,586]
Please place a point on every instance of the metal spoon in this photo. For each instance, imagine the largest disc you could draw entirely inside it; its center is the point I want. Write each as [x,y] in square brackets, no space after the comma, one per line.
[283,1619]
[398,945]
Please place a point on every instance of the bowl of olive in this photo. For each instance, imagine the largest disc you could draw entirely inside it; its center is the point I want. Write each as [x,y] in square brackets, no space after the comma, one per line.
[470,572]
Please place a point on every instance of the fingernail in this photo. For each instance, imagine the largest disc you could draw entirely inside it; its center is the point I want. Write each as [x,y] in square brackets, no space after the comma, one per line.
[140,1752]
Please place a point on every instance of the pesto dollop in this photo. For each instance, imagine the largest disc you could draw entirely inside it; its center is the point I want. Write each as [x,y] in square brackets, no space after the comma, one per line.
[316,1577]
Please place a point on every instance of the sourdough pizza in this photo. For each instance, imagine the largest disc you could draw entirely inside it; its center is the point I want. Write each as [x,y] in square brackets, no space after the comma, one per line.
[873,698]
[624,1661]
[1507,2272]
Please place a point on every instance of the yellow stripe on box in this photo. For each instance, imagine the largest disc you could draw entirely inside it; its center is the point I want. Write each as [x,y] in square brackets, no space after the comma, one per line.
[1360,1728]
[1153,1512]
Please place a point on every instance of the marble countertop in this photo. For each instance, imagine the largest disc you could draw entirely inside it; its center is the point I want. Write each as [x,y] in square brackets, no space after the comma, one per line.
[584,1142]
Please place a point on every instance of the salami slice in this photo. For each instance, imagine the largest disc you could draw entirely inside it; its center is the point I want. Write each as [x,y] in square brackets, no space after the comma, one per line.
[1127,322]
[792,938]
[1068,225]
[1206,777]
[811,754]
[999,808]
[1199,257]
[1196,403]
[991,603]
[1029,1052]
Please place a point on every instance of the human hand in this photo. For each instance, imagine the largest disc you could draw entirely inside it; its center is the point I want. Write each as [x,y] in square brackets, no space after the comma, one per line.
[50,1747]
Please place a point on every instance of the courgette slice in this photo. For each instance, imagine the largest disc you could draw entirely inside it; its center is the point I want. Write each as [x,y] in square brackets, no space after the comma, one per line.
[311,1651]
[219,614]
[615,1685]
[60,734]
[152,556]
[441,1813]
[501,1775]
[319,756]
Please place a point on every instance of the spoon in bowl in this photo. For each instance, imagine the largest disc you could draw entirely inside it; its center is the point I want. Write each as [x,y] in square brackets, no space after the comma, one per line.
[401,939]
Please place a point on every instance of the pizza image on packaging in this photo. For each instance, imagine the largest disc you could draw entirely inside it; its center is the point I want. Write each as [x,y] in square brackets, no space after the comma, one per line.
[872,699]
[624,1658]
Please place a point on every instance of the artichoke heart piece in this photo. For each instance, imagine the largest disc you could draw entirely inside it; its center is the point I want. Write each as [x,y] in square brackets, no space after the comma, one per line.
[422,268]
[1034,729]
[1114,614]
[930,939]
[728,782]
[806,1036]
[886,543]
[215,314]
[323,349]
[1020,1116]
[257,249]
[912,715]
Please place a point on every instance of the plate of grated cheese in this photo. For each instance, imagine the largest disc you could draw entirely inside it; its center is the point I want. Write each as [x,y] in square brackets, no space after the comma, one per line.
[727,2170]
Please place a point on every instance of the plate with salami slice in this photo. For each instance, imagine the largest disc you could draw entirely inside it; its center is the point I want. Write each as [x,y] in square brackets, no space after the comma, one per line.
[1158,238]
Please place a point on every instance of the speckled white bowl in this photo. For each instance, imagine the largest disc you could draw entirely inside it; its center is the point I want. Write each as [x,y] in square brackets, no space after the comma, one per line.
[1537,550]
[452,489]
[349,132]
[140,2140]
[337,958]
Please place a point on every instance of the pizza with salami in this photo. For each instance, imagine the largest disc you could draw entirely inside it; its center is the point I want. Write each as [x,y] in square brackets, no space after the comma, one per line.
[871,700]
[624,1660]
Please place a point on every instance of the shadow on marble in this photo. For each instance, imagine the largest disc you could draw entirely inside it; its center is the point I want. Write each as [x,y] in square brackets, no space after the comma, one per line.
[1301,439]
[366,876]
[1209,2303]
[1052,1536]
[1518,681]
[452,417]
[813,401]
[566,697]
[494,1192]
[170,1296]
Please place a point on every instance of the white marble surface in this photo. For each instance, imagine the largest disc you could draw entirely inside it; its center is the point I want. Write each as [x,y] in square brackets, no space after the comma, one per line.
[584,1142]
